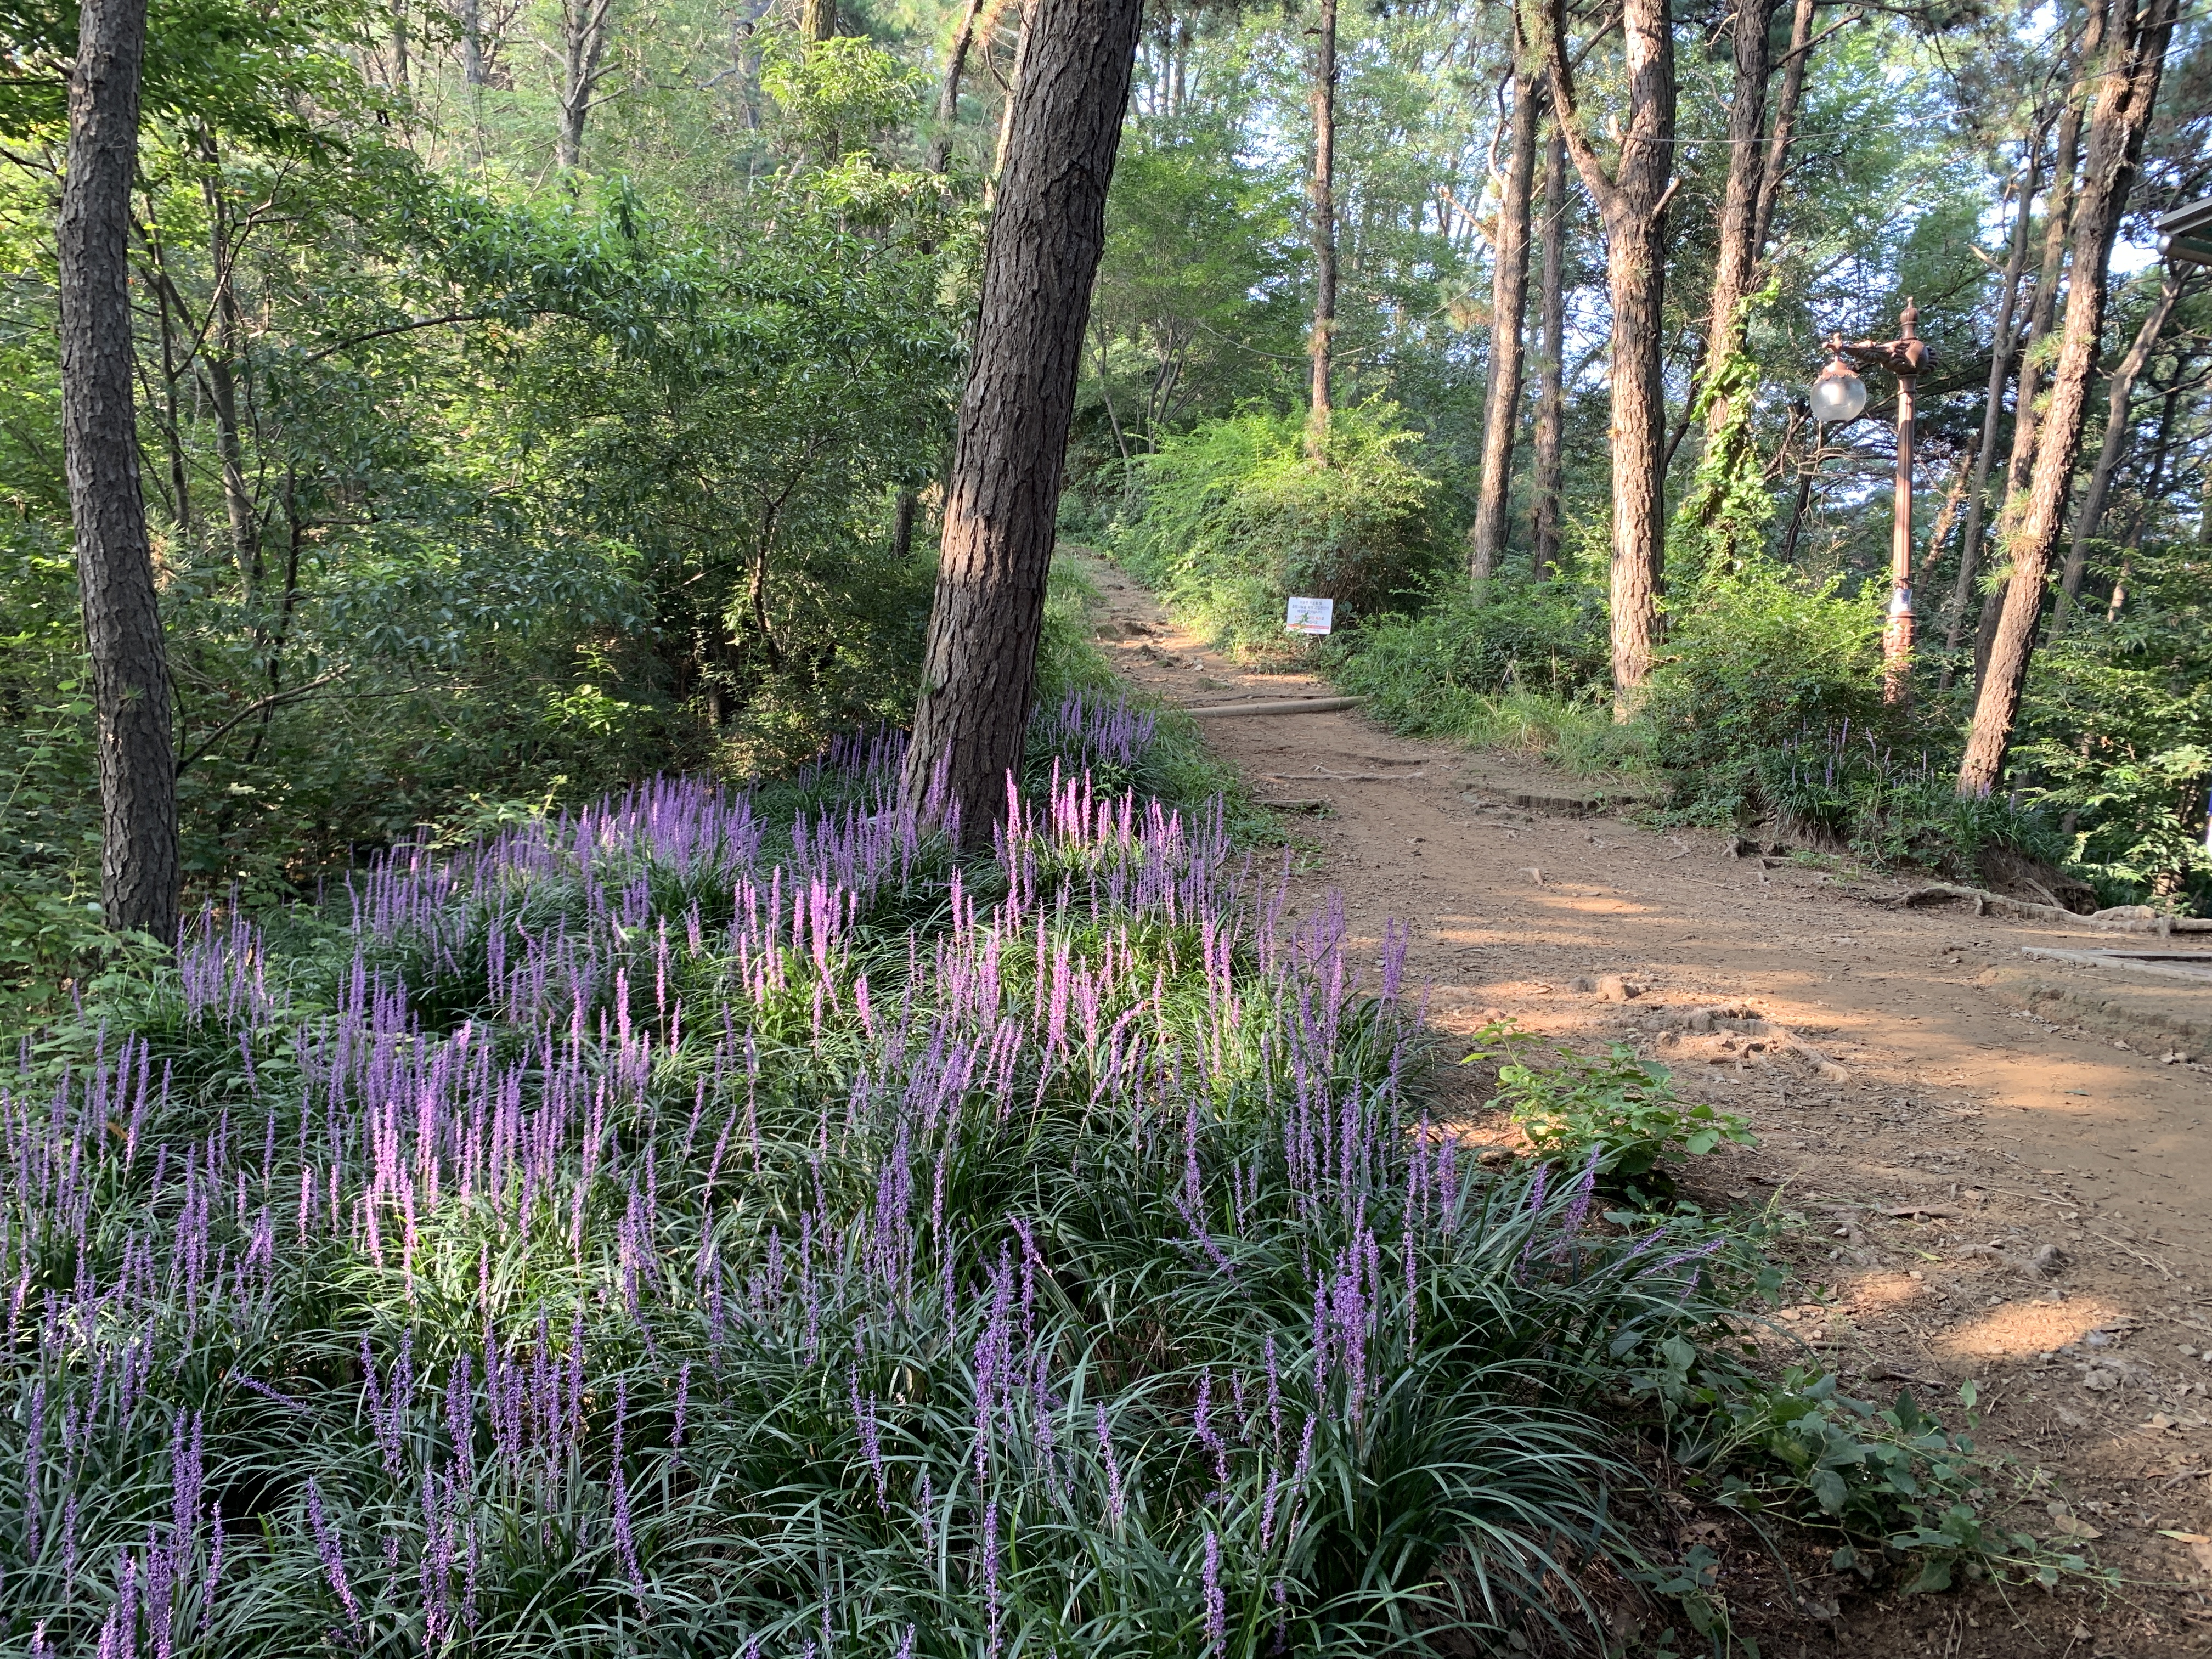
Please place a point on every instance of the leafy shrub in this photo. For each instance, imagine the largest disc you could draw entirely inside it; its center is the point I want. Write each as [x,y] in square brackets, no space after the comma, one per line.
[1442,669]
[1758,664]
[1232,519]
[1612,1113]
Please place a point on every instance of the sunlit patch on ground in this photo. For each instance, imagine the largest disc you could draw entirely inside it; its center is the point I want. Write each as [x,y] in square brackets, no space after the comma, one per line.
[2022,1329]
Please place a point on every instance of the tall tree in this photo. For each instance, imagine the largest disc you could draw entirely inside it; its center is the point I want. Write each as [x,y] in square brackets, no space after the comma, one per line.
[585,27]
[2042,318]
[1551,360]
[2001,342]
[1003,497]
[1631,200]
[114,559]
[1508,305]
[1746,137]
[2127,91]
[1775,165]
[817,20]
[2119,389]
[1322,345]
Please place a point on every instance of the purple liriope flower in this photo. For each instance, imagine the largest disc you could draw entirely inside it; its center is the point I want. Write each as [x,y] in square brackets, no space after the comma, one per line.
[327,1545]
[991,1569]
[1113,1500]
[1577,1207]
[1217,1609]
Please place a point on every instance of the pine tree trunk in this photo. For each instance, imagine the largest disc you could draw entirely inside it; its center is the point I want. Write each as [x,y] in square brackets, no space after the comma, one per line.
[2091,514]
[1551,364]
[1507,314]
[2027,418]
[115,561]
[1732,266]
[1324,342]
[1632,206]
[2002,341]
[2127,92]
[1003,497]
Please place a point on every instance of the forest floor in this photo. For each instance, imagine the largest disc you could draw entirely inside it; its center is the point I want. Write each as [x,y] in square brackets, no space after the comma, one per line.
[1939,1103]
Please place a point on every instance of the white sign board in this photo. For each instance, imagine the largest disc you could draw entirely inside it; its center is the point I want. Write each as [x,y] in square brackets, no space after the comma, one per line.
[1311,617]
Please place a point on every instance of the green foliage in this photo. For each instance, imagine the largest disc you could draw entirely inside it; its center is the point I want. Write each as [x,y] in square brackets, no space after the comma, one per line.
[1441,671]
[1878,1478]
[1234,517]
[1759,663]
[1611,1112]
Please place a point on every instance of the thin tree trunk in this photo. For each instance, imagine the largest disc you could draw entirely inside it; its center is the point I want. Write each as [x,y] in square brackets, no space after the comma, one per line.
[1786,105]
[817,20]
[1551,364]
[1322,344]
[2002,340]
[1747,142]
[1946,516]
[2138,520]
[1508,313]
[173,372]
[584,30]
[399,64]
[472,58]
[2027,419]
[1633,205]
[948,91]
[244,517]
[2088,519]
[979,661]
[114,557]
[2127,92]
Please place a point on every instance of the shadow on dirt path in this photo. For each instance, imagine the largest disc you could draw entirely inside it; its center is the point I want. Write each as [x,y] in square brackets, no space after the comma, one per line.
[1950,1106]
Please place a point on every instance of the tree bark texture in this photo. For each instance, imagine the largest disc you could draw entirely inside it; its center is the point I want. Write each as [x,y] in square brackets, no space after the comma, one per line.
[1732,266]
[817,20]
[472,58]
[2002,341]
[2126,92]
[1509,307]
[1324,342]
[2121,388]
[115,563]
[1003,497]
[585,25]
[2027,418]
[1631,204]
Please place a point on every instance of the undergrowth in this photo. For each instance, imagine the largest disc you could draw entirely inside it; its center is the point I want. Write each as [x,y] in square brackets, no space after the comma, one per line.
[712,1222]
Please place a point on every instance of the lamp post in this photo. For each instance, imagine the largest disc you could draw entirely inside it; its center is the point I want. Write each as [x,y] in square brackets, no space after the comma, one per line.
[1838,395]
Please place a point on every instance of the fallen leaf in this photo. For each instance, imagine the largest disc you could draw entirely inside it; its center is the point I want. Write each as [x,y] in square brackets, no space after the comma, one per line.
[2184,1537]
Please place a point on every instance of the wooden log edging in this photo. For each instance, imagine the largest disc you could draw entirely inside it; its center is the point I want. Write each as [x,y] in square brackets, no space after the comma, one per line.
[1284,706]
[1996,903]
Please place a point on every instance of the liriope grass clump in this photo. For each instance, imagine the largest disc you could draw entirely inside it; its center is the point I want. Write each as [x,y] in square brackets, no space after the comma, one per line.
[681,1227]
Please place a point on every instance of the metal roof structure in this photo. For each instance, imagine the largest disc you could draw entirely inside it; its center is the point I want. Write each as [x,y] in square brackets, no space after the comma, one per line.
[2188,233]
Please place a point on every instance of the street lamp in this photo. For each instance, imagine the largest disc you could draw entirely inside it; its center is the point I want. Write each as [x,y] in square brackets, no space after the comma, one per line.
[1838,395]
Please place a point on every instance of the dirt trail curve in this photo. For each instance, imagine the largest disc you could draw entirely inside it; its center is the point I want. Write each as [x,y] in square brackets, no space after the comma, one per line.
[1956,1105]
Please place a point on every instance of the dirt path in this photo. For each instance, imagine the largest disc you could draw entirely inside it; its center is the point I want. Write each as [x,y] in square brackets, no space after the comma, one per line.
[1963,1105]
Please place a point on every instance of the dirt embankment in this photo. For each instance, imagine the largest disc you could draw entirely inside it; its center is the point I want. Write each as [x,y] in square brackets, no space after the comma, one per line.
[1996,1129]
